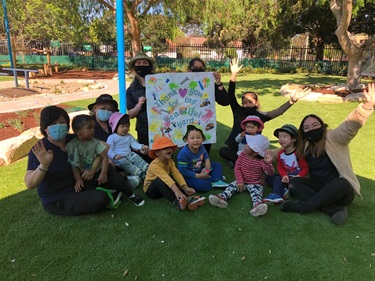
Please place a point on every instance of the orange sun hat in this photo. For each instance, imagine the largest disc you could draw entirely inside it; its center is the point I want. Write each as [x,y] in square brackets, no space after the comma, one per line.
[160,143]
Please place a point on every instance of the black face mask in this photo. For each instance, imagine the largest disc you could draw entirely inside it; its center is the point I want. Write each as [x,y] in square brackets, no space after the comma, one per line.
[314,135]
[197,70]
[143,70]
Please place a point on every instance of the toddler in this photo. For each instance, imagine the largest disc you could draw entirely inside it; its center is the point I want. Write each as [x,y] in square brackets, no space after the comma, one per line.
[164,180]
[194,163]
[82,150]
[121,144]
[288,164]
[251,125]
[249,171]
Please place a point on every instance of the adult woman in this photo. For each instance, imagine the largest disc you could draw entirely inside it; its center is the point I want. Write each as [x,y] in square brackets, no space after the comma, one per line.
[332,184]
[101,110]
[141,65]
[48,169]
[250,106]
[221,95]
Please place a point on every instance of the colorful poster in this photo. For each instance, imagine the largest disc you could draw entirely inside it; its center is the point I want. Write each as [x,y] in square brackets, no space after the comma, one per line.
[175,100]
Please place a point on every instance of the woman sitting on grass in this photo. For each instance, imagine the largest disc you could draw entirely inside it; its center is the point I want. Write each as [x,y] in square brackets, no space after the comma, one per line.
[48,169]
[333,184]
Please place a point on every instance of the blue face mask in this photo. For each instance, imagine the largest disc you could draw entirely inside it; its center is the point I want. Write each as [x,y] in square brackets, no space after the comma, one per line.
[58,131]
[103,115]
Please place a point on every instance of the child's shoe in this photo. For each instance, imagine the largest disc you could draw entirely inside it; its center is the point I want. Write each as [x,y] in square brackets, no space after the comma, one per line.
[219,183]
[137,200]
[142,176]
[195,201]
[133,181]
[217,200]
[273,197]
[180,203]
[259,209]
[286,194]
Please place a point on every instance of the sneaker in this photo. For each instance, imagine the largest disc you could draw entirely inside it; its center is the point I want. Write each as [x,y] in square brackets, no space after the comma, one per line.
[133,181]
[142,176]
[259,210]
[219,183]
[286,194]
[218,201]
[195,201]
[180,203]
[276,199]
[137,200]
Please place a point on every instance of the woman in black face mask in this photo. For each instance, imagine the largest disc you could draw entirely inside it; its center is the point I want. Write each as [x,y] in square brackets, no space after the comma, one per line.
[141,65]
[332,183]
[250,106]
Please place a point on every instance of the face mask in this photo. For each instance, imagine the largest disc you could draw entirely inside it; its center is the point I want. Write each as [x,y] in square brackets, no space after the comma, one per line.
[197,70]
[58,131]
[143,70]
[314,135]
[103,115]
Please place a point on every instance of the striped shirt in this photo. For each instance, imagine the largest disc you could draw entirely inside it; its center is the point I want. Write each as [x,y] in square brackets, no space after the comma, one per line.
[251,171]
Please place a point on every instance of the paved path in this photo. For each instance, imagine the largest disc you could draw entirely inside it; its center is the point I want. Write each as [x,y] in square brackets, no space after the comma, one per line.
[111,87]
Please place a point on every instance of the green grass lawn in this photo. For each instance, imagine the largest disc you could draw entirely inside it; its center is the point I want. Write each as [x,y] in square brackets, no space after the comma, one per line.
[158,242]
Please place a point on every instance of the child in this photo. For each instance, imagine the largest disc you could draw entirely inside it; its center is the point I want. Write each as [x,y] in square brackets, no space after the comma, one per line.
[164,180]
[121,144]
[195,165]
[288,165]
[251,125]
[82,150]
[249,171]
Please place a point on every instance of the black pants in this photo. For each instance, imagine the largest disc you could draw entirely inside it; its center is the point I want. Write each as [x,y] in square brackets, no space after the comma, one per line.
[159,189]
[315,195]
[143,139]
[79,203]
[228,153]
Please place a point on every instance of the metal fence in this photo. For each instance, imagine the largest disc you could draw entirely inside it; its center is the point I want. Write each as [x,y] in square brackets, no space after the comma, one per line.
[177,56]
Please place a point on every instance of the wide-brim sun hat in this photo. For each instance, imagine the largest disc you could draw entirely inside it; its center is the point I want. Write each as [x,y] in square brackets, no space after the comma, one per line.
[114,119]
[160,143]
[192,127]
[258,144]
[253,118]
[141,56]
[104,98]
[289,128]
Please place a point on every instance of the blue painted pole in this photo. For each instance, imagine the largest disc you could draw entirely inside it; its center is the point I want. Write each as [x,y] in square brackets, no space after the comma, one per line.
[121,54]
[9,42]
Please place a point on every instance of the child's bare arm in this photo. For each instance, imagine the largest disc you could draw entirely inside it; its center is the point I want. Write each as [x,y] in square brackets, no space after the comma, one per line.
[103,173]
[79,182]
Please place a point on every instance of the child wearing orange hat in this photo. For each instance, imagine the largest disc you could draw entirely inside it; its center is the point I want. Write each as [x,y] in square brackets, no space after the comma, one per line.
[164,180]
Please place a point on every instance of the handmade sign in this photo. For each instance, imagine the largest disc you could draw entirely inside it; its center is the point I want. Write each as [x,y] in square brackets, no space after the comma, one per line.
[175,100]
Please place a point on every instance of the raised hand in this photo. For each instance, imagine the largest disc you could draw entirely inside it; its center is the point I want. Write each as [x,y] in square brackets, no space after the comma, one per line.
[234,68]
[44,157]
[370,96]
[300,94]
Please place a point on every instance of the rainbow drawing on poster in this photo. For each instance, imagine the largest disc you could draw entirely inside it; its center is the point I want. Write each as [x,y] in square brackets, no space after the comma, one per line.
[175,100]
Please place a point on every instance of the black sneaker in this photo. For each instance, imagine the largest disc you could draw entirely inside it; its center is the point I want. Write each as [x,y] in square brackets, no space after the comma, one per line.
[137,200]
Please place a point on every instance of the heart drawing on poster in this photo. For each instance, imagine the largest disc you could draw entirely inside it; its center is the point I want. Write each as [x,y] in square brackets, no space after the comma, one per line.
[182,92]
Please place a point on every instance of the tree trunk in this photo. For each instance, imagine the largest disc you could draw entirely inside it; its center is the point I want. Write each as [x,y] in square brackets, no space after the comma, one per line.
[319,50]
[355,64]
[135,32]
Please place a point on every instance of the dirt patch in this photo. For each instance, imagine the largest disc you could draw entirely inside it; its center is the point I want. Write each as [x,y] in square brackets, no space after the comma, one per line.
[12,124]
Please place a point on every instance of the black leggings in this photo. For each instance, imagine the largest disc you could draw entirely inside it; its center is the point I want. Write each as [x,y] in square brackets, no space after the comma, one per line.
[159,189]
[315,195]
[228,153]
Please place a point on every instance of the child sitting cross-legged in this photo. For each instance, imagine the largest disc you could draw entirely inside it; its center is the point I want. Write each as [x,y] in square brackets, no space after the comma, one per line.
[288,164]
[249,170]
[164,180]
[121,143]
[251,126]
[82,150]
[195,164]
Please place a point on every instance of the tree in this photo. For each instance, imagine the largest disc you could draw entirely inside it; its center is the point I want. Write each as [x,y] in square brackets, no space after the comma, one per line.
[343,10]
[136,10]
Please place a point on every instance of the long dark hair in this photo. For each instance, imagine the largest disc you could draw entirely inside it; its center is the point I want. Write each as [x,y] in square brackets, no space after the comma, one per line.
[304,147]
[191,63]
[49,115]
